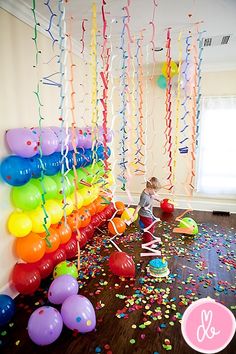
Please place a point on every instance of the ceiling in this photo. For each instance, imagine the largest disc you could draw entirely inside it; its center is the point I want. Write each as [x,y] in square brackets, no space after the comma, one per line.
[215,18]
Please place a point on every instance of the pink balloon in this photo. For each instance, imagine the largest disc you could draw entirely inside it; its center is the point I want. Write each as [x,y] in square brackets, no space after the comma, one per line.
[49,140]
[22,142]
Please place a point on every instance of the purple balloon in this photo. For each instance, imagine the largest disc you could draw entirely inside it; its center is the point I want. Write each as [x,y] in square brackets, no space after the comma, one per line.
[61,136]
[45,325]
[49,140]
[61,288]
[78,314]
[22,142]
[109,135]
[73,136]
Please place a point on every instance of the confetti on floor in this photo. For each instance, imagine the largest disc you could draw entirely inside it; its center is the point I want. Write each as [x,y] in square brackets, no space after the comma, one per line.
[144,311]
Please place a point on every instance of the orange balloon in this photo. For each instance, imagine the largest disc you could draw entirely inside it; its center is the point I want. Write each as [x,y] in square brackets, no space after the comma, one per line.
[30,248]
[64,231]
[53,239]
[91,208]
[73,220]
[116,225]
[120,206]
[85,216]
[100,204]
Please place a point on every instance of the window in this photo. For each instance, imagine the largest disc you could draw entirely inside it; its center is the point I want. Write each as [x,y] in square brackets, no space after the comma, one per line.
[217,147]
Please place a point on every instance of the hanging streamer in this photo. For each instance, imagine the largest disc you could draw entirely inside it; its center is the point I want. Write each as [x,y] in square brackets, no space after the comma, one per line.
[35,38]
[200,53]
[54,40]
[94,103]
[123,144]
[168,104]
[152,41]
[183,149]
[177,114]
[194,112]
[63,97]
[105,55]
[37,93]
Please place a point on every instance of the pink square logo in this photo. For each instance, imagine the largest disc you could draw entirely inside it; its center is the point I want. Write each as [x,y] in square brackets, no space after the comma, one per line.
[208,326]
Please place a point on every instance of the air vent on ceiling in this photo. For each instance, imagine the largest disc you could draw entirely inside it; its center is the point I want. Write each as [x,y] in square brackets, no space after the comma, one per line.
[216,40]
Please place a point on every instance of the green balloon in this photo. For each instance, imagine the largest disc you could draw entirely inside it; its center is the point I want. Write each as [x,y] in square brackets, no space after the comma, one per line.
[101,169]
[65,186]
[50,187]
[81,176]
[189,223]
[161,82]
[65,268]
[26,197]
[70,176]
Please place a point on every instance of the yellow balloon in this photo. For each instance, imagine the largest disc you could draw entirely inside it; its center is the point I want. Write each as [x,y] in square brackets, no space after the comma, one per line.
[37,217]
[19,224]
[54,209]
[128,213]
[173,69]
[69,205]
[78,200]
[110,179]
[87,195]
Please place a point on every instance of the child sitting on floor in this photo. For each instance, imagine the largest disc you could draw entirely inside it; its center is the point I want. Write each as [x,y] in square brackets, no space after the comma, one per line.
[144,208]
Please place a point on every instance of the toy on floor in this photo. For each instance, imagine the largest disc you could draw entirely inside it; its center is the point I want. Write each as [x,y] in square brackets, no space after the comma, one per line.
[167,206]
[158,267]
[186,226]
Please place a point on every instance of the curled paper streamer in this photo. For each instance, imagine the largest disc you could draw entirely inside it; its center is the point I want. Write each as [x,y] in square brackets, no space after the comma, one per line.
[35,38]
[168,104]
[50,22]
[200,53]
[105,79]
[93,55]
[177,115]
[183,149]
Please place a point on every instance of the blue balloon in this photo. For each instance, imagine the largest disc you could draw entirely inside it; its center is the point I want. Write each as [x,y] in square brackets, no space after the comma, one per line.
[16,170]
[100,152]
[52,163]
[88,157]
[7,309]
[79,159]
[36,166]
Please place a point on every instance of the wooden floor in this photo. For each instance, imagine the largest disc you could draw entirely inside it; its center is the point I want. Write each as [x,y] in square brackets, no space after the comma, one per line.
[201,266]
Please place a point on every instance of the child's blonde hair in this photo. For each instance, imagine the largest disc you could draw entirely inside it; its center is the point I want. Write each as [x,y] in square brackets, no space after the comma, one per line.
[153,183]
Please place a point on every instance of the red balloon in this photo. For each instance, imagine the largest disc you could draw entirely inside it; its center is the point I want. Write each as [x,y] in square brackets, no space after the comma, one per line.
[96,220]
[88,230]
[58,256]
[83,239]
[26,278]
[45,266]
[122,264]
[110,210]
[70,248]
[103,217]
[166,206]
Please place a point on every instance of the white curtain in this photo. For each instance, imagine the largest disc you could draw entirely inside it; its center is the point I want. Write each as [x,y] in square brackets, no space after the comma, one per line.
[216,172]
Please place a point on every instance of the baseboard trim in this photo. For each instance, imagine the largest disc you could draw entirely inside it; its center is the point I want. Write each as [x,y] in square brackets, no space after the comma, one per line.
[195,203]
[10,290]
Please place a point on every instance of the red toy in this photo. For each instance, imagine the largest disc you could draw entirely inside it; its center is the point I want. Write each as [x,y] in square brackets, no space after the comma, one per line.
[166,206]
